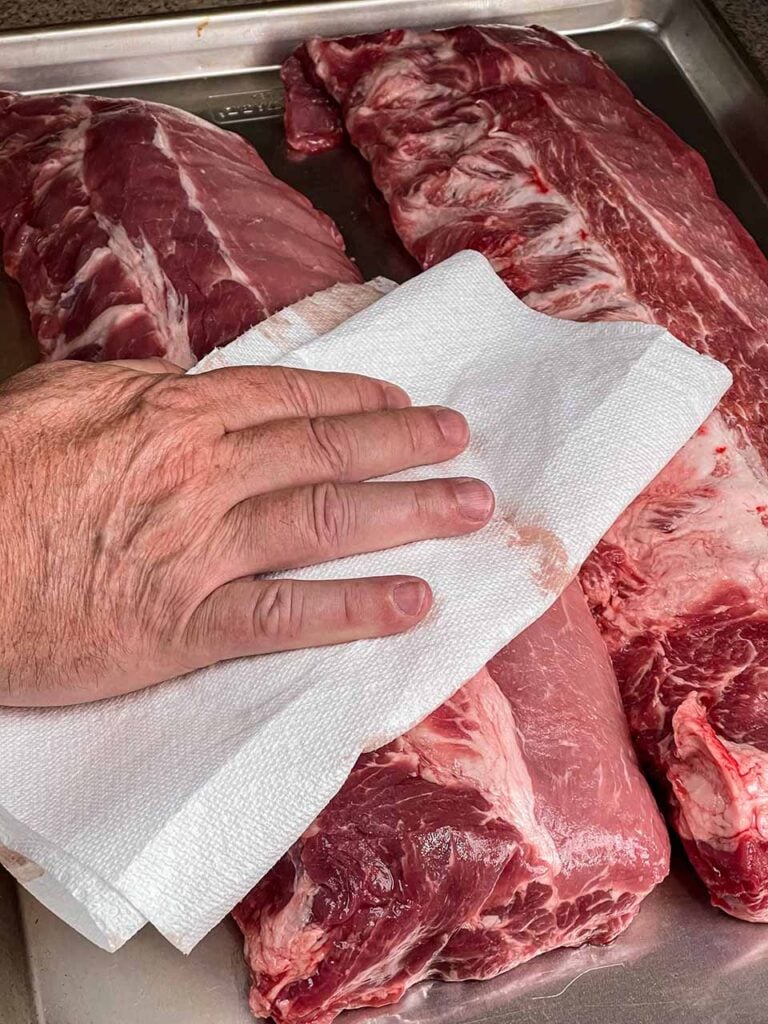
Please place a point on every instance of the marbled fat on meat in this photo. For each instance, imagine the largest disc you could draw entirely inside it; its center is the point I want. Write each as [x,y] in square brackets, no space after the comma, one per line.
[512,821]
[135,229]
[518,143]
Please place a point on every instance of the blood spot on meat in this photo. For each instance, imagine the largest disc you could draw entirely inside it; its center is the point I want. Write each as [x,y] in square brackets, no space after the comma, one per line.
[538,181]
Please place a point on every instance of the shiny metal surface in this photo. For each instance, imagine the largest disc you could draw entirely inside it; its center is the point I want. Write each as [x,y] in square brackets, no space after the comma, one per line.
[17,1000]
[681,962]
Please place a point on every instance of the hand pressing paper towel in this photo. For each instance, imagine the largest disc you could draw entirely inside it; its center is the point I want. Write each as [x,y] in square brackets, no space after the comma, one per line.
[169,804]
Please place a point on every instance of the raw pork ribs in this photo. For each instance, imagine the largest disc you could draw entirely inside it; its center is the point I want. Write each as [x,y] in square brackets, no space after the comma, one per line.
[139,230]
[517,143]
[511,821]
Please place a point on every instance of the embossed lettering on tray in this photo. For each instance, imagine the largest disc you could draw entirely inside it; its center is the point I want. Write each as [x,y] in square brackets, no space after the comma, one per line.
[246,106]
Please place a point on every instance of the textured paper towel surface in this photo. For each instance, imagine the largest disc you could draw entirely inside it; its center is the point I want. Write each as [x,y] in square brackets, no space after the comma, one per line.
[169,804]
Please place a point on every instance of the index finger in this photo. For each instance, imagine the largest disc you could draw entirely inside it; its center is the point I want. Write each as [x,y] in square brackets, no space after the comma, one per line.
[246,396]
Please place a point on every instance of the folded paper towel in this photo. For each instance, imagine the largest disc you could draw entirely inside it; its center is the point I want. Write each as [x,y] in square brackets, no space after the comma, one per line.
[169,804]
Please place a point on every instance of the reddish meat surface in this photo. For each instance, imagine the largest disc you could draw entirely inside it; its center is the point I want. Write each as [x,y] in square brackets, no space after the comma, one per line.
[137,230]
[515,142]
[511,821]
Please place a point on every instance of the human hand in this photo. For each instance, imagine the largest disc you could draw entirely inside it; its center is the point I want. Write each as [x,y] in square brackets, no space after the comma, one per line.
[137,505]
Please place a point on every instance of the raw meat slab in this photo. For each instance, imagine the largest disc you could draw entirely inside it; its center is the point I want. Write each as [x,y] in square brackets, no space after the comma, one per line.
[516,142]
[136,229]
[512,821]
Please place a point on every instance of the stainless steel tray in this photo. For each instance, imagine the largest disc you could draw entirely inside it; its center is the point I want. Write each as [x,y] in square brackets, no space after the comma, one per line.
[681,962]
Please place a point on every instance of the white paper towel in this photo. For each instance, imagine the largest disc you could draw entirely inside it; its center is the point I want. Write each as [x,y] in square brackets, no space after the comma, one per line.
[169,804]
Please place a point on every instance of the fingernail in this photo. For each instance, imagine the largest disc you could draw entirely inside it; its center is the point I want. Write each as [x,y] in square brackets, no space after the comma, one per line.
[396,397]
[475,500]
[409,597]
[452,426]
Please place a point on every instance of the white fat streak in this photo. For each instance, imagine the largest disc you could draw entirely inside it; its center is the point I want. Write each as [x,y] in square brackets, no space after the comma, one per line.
[604,285]
[68,155]
[395,75]
[235,271]
[163,303]
[97,329]
[721,526]
[603,282]
[402,66]
[48,303]
[522,69]
[494,763]
[389,967]
[490,760]
[648,212]
[161,296]
[605,278]
[287,945]
[721,786]
[84,271]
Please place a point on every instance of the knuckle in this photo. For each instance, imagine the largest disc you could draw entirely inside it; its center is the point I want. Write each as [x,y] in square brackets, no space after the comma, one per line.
[167,394]
[165,414]
[278,612]
[168,403]
[434,507]
[413,432]
[446,497]
[296,389]
[371,395]
[428,500]
[214,392]
[332,516]
[353,608]
[333,444]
